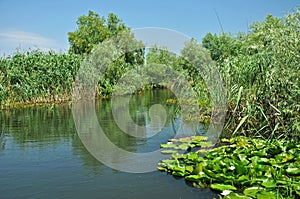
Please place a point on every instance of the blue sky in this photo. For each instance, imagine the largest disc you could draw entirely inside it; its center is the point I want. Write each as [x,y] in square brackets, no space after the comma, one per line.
[45,24]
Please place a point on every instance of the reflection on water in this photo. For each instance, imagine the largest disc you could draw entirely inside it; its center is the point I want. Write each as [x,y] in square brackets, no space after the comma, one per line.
[41,155]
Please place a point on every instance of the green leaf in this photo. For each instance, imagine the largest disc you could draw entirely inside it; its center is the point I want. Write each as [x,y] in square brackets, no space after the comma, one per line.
[168,145]
[265,195]
[170,161]
[192,157]
[168,151]
[183,146]
[189,168]
[222,187]
[162,168]
[193,178]
[252,191]
[206,144]
[243,178]
[233,195]
[178,173]
[293,171]
[269,183]
[240,124]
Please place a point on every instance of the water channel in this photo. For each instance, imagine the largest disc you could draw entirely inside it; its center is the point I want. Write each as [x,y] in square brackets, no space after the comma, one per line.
[42,156]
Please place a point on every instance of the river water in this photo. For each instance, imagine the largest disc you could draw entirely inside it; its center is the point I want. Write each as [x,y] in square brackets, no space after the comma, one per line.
[42,156]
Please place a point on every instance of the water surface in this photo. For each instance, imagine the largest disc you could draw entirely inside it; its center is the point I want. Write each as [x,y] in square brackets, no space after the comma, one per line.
[41,155]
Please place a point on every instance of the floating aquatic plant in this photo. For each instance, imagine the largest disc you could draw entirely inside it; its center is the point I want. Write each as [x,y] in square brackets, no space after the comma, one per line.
[240,168]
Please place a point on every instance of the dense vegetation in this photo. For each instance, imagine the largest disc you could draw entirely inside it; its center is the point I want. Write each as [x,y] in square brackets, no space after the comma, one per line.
[36,77]
[39,77]
[260,70]
[240,168]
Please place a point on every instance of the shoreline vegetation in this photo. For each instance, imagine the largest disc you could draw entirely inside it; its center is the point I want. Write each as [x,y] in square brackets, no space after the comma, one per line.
[260,70]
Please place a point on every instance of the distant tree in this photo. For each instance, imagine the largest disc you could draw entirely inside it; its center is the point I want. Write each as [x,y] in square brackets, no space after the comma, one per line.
[222,46]
[92,30]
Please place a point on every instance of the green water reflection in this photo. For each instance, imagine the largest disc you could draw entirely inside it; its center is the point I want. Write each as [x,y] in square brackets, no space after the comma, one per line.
[41,155]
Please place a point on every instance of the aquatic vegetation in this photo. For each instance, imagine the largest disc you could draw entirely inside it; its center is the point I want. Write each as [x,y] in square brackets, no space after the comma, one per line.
[261,72]
[240,167]
[37,77]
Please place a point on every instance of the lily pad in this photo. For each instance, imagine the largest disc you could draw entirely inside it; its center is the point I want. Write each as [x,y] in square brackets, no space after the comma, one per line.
[193,178]
[168,151]
[222,187]
[168,146]
[269,183]
[189,168]
[233,195]
[252,191]
[183,146]
[265,195]
[293,171]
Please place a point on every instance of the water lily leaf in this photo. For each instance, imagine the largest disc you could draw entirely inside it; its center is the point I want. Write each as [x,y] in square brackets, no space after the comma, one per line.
[202,151]
[189,168]
[178,173]
[264,161]
[196,138]
[243,178]
[168,151]
[209,173]
[225,178]
[233,195]
[265,195]
[199,138]
[282,182]
[192,158]
[284,157]
[258,180]
[222,187]
[243,159]
[252,191]
[178,156]
[183,146]
[288,157]
[293,171]
[193,178]
[269,183]
[168,162]
[162,168]
[168,145]
[260,153]
[238,166]
[198,168]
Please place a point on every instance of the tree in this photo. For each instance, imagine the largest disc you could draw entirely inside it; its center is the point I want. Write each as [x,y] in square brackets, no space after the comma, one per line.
[92,30]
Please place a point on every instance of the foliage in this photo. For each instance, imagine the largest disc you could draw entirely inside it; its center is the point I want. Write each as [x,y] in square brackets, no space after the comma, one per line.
[193,64]
[92,30]
[261,71]
[37,77]
[241,167]
[108,62]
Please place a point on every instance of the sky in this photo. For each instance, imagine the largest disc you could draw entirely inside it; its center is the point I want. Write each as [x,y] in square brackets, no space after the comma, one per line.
[45,24]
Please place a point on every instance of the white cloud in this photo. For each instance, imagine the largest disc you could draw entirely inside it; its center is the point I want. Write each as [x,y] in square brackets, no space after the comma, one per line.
[12,39]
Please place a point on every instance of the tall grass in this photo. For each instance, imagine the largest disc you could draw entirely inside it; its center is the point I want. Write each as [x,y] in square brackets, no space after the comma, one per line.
[261,71]
[35,77]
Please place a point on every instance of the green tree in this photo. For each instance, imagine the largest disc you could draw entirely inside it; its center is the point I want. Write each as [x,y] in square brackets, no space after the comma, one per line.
[92,30]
